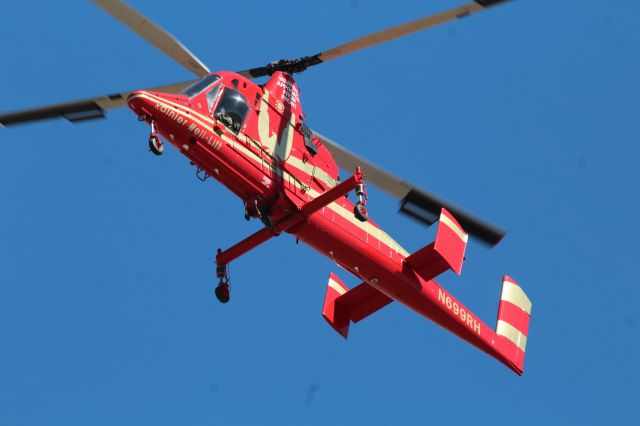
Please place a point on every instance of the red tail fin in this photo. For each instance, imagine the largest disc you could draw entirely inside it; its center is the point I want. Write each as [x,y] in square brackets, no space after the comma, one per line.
[446,252]
[514,313]
[335,314]
[343,306]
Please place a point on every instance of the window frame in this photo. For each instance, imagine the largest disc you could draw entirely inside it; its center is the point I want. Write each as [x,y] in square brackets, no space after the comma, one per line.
[200,86]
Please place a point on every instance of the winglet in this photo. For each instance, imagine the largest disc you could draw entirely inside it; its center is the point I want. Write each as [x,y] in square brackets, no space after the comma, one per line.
[446,252]
[343,306]
[514,313]
[451,241]
[335,314]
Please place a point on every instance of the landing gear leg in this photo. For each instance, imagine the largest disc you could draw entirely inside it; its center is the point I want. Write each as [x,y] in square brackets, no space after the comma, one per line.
[155,144]
[223,289]
[360,210]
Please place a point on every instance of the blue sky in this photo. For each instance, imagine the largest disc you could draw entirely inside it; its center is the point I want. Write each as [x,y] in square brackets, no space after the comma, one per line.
[525,114]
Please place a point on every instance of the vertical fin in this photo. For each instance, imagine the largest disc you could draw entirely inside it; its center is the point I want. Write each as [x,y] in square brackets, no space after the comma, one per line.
[514,313]
[451,241]
[446,252]
[335,314]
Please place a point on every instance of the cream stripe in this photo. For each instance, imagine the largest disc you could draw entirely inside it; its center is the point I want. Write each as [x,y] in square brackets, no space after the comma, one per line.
[348,215]
[454,227]
[337,287]
[312,170]
[510,332]
[513,293]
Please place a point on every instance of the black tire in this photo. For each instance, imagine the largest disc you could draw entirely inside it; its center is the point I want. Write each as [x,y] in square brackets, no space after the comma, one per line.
[155,145]
[222,293]
[360,212]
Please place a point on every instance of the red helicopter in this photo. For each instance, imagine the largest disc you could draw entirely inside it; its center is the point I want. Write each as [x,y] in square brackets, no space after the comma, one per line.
[253,139]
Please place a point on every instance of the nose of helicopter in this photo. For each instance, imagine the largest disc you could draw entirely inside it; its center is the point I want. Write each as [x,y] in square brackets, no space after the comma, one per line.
[147,103]
[140,102]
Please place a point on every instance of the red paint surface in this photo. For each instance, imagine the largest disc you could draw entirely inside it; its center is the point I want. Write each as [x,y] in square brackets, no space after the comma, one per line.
[515,316]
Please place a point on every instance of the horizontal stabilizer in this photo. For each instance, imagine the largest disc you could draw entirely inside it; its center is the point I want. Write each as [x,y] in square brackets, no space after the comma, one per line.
[446,252]
[343,306]
[514,313]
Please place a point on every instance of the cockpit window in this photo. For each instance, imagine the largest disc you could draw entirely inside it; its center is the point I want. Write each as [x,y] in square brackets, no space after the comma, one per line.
[232,109]
[196,88]
[211,96]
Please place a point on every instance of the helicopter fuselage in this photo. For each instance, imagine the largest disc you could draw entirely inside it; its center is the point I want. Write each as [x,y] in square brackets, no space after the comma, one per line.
[253,140]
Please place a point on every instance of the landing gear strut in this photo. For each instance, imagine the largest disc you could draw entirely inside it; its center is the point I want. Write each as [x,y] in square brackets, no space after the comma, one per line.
[223,289]
[155,144]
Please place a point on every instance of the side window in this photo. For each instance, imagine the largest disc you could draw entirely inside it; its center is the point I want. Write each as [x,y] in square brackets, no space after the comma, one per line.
[211,96]
[232,109]
[308,139]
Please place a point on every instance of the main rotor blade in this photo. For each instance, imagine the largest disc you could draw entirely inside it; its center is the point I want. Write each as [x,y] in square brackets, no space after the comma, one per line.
[414,202]
[82,110]
[155,35]
[301,64]
[408,28]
